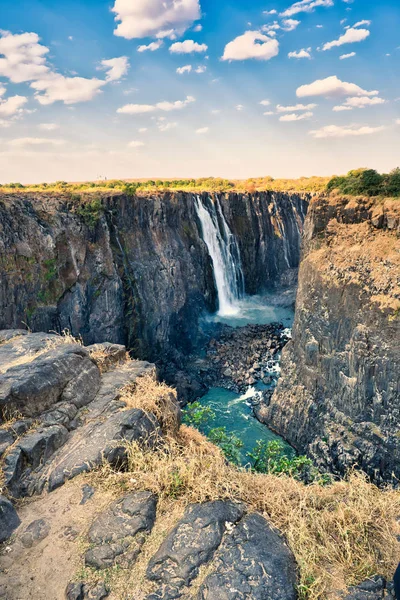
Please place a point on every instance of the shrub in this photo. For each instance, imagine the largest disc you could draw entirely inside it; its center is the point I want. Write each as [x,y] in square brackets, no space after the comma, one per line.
[367,182]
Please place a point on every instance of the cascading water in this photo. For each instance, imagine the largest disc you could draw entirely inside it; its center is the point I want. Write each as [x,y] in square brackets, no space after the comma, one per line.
[224,253]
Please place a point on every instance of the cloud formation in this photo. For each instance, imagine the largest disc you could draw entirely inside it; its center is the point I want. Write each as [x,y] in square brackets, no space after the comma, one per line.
[344,56]
[296,117]
[138,109]
[187,47]
[23,59]
[306,6]
[152,47]
[303,53]
[185,69]
[359,102]
[295,108]
[252,44]
[335,131]
[351,36]
[11,106]
[332,87]
[159,18]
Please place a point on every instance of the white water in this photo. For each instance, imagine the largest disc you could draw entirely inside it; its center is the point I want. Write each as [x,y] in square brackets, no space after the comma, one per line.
[225,256]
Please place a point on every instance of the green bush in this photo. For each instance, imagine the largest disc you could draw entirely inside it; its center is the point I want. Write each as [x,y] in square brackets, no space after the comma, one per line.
[367,182]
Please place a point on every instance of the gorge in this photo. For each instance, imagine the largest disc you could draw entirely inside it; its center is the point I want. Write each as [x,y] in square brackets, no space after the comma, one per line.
[203,285]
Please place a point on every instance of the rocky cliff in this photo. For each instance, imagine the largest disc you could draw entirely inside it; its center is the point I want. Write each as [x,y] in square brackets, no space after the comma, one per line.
[131,269]
[339,395]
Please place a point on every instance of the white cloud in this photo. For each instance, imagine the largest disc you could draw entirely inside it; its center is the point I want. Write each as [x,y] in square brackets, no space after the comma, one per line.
[239,107]
[268,113]
[198,28]
[290,24]
[359,102]
[23,59]
[270,12]
[397,121]
[303,53]
[361,23]
[252,44]
[48,126]
[335,131]
[142,130]
[201,69]
[202,130]
[344,56]
[3,90]
[160,18]
[12,106]
[69,90]
[185,69]
[116,67]
[295,108]
[135,144]
[265,102]
[137,109]
[332,87]
[296,117]
[152,47]
[306,6]
[30,141]
[350,37]
[187,47]
[166,125]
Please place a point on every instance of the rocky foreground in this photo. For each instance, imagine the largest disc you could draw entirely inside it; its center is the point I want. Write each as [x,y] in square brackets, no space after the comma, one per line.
[63,536]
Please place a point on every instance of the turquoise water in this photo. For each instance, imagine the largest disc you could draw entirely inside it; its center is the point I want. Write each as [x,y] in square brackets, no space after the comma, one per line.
[256,310]
[233,411]
[235,414]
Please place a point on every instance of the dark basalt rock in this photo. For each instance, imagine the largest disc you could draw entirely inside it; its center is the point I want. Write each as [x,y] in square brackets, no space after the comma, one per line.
[84,591]
[31,452]
[130,425]
[375,588]
[190,544]
[35,533]
[118,533]
[64,373]
[9,520]
[253,563]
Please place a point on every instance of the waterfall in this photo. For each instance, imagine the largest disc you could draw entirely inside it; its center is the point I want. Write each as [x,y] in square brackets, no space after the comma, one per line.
[225,255]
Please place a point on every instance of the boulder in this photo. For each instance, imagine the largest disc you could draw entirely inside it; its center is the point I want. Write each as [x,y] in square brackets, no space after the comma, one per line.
[254,563]
[35,532]
[79,457]
[117,533]
[189,545]
[9,520]
[64,373]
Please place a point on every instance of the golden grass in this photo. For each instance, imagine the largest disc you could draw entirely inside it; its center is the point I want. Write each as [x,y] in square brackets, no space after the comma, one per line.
[156,398]
[340,534]
[101,357]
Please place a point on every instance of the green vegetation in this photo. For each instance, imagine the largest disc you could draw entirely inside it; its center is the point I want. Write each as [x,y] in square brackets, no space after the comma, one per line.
[367,182]
[206,184]
[267,457]
[91,212]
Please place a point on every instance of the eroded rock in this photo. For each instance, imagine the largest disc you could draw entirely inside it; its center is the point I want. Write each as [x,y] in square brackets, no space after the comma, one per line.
[9,520]
[253,563]
[118,533]
[189,545]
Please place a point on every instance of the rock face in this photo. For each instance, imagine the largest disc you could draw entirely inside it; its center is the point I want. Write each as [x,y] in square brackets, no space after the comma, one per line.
[252,550]
[117,534]
[9,520]
[339,395]
[62,401]
[133,270]
[188,546]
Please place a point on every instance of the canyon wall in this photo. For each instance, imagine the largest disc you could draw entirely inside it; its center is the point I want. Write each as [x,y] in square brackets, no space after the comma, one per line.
[130,269]
[339,395]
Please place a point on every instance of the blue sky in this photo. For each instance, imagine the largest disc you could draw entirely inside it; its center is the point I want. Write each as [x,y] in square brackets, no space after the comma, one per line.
[190,88]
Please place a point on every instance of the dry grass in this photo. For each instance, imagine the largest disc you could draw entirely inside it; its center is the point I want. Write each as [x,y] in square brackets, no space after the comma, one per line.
[25,357]
[103,359]
[156,398]
[340,534]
